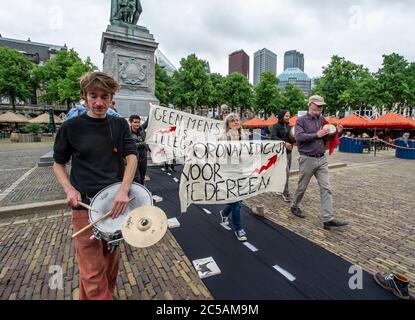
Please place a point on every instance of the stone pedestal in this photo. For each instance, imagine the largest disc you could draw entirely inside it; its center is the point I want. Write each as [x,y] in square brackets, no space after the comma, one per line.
[129,57]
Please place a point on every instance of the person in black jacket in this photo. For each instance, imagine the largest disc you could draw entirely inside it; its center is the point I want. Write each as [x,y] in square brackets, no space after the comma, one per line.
[280,132]
[139,135]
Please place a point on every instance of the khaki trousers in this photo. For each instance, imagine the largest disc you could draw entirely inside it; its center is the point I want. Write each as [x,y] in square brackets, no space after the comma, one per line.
[318,167]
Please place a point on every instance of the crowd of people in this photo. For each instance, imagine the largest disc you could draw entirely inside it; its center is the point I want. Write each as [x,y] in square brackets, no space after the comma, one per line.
[105,149]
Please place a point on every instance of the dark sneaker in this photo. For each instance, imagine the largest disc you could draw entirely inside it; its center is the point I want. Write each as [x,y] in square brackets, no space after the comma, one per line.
[224,220]
[286,197]
[241,235]
[334,224]
[393,282]
[297,212]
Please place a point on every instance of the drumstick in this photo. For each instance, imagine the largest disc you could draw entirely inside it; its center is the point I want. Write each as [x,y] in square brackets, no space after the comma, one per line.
[86,206]
[96,221]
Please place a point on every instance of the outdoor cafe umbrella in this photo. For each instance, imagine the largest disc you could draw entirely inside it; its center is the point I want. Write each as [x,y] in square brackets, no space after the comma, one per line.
[256,122]
[10,117]
[293,121]
[392,121]
[354,121]
[272,121]
[44,118]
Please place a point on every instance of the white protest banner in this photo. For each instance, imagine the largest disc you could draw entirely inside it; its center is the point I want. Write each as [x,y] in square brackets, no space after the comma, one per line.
[230,171]
[170,132]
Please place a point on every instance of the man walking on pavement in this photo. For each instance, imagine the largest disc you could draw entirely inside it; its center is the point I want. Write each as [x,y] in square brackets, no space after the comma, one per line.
[309,134]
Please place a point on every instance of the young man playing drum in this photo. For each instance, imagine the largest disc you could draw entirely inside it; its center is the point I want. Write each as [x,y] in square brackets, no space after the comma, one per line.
[103,153]
[309,135]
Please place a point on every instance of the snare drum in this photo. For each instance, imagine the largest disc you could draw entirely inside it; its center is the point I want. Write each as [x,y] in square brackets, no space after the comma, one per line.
[110,229]
[291,135]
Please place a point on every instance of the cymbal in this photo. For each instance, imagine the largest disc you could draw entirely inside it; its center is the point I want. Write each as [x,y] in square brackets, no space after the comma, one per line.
[144,226]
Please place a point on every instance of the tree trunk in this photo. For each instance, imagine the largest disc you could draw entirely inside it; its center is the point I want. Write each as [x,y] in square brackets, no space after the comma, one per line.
[13,98]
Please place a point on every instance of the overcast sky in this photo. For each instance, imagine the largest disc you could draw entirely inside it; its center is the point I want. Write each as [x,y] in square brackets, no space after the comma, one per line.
[360,30]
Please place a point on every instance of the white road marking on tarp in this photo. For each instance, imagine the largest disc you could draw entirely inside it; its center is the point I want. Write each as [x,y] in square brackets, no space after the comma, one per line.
[250,246]
[157,198]
[169,174]
[207,211]
[225,226]
[206,267]
[176,180]
[15,184]
[173,223]
[284,272]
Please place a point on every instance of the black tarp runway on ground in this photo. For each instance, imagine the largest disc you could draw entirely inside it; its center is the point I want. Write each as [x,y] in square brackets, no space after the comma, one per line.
[249,275]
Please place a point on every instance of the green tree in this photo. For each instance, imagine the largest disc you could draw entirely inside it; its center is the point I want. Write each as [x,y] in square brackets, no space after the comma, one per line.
[237,92]
[68,88]
[15,75]
[268,97]
[58,77]
[163,86]
[191,84]
[338,77]
[410,93]
[362,91]
[295,99]
[392,81]
[216,96]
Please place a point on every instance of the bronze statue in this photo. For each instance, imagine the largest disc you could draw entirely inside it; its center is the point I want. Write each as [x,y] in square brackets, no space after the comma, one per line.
[125,11]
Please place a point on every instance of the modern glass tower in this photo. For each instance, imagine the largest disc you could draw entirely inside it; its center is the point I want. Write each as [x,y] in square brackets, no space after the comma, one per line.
[264,60]
[294,59]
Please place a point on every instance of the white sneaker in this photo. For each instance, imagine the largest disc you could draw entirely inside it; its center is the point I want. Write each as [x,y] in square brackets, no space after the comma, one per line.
[286,197]
[241,235]
[224,220]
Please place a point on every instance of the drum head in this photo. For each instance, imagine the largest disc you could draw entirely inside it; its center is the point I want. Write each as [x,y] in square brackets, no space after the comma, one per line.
[103,201]
[332,128]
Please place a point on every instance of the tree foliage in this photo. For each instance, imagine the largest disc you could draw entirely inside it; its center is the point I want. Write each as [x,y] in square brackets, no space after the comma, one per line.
[15,75]
[237,92]
[191,84]
[295,99]
[163,86]
[58,78]
[268,97]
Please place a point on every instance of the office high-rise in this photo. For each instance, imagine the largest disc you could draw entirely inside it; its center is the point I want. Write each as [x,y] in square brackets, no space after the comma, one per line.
[239,62]
[294,59]
[264,60]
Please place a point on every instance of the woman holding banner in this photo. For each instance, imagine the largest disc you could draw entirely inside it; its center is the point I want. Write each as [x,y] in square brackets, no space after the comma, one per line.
[234,132]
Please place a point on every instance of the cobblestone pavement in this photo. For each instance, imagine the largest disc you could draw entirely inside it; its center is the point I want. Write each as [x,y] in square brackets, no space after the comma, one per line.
[31,247]
[39,186]
[15,160]
[377,199]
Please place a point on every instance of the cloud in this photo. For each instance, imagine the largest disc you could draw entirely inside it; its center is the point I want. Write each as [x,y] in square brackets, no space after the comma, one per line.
[360,31]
